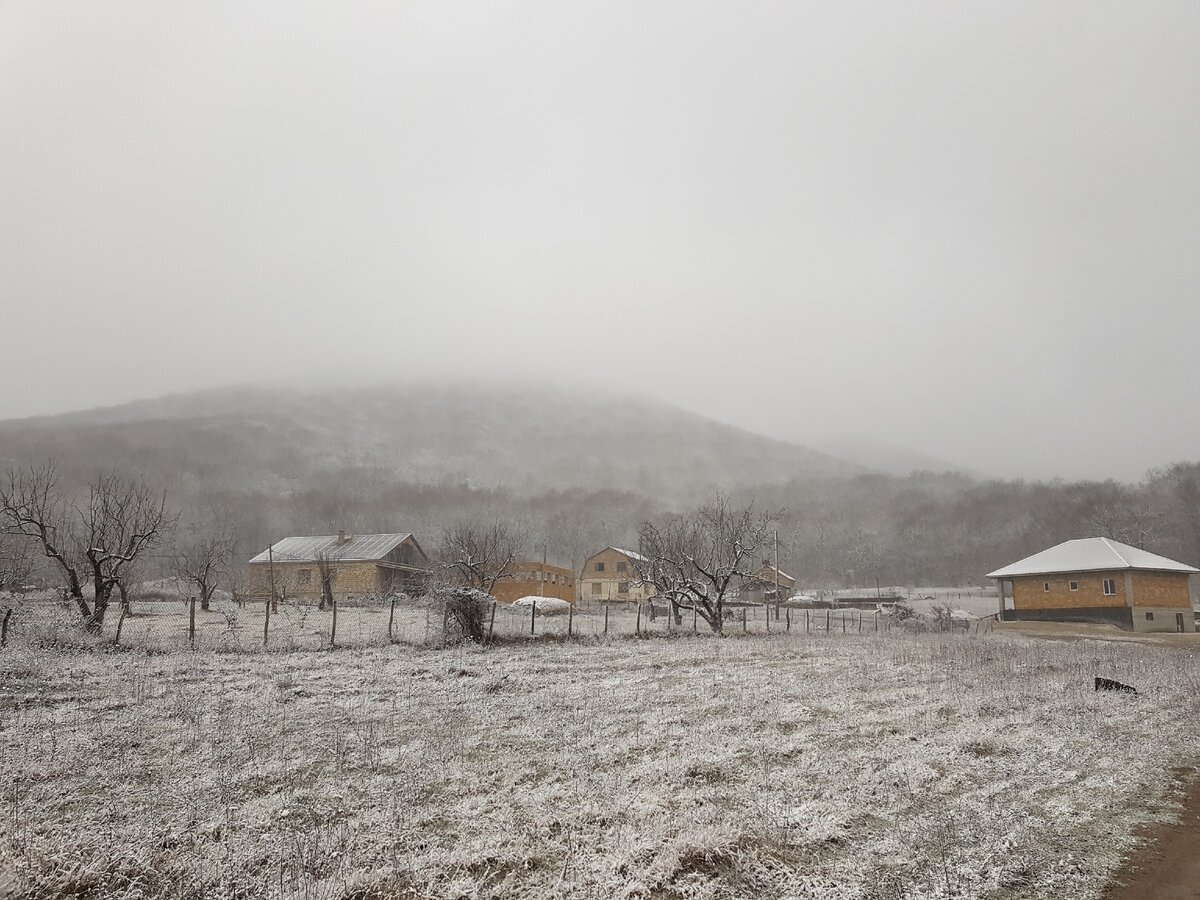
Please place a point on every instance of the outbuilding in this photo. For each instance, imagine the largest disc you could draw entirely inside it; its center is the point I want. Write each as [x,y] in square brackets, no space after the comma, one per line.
[1098,580]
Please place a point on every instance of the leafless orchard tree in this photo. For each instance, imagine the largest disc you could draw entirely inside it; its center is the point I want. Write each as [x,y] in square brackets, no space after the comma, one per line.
[16,562]
[203,564]
[327,572]
[96,539]
[695,561]
[479,556]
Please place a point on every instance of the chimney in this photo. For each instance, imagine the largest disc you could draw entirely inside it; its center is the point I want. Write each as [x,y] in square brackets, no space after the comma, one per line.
[341,536]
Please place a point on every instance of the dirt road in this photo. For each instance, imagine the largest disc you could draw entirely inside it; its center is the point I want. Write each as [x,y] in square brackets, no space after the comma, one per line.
[1169,867]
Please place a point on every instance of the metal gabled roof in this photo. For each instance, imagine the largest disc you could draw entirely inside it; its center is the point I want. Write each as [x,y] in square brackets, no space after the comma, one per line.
[1091,555]
[358,548]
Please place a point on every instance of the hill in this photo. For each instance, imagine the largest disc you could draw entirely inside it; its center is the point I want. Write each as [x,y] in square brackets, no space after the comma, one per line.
[521,438]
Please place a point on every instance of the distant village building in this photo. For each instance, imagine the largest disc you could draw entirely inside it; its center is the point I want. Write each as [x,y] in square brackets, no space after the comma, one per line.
[358,565]
[768,585]
[611,576]
[535,579]
[1098,580]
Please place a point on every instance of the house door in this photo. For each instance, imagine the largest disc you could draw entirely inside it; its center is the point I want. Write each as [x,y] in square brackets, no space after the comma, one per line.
[1179,622]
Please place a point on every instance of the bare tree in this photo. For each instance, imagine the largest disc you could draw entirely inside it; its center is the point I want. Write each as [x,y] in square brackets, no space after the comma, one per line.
[94,540]
[16,562]
[327,572]
[478,556]
[203,564]
[695,561]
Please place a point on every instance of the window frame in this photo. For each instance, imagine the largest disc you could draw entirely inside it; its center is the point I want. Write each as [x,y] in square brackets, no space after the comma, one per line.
[1107,582]
[1073,585]
[599,567]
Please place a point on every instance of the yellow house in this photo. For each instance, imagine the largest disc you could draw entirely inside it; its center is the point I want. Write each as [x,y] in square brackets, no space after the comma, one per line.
[611,576]
[1098,580]
[357,565]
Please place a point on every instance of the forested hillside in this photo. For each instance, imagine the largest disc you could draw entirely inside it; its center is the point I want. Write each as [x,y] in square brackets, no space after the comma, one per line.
[580,471]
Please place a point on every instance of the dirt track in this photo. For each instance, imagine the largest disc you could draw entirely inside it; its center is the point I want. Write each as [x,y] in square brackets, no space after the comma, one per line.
[1169,868]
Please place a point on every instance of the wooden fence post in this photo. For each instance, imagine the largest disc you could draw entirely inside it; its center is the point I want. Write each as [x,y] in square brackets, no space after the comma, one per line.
[266,621]
[694,615]
[843,623]
[788,626]
[533,617]
[860,622]
[116,637]
[4,627]
[392,616]
[638,628]
[192,620]
[445,620]
[491,622]
[806,612]
[743,620]
[333,626]
[828,615]
[768,612]
[570,618]
[606,618]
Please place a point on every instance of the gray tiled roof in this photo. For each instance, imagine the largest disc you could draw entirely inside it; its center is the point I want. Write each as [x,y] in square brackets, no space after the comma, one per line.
[358,548]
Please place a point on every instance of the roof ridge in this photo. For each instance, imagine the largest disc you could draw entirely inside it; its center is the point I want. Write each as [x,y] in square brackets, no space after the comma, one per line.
[1109,543]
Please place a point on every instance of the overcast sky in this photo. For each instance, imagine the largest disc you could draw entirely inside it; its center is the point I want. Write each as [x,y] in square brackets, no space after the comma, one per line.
[971,228]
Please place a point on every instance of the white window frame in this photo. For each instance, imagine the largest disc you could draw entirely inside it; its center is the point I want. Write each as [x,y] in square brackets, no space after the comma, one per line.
[1073,585]
[1110,582]
[1046,587]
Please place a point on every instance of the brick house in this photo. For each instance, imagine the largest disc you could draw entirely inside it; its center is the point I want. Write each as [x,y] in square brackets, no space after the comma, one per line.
[1098,580]
[359,565]
[611,576]
[535,579]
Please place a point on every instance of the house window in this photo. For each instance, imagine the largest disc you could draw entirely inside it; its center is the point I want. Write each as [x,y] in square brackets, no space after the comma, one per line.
[1046,586]
[599,567]
[621,567]
[622,587]
[304,577]
[1149,617]
[595,587]
[1110,587]
[1073,585]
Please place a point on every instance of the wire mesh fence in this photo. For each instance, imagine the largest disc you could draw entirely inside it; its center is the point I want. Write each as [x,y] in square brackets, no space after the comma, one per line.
[254,626]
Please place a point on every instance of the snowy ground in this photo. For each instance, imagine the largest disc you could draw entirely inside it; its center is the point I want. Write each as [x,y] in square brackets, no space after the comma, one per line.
[873,765]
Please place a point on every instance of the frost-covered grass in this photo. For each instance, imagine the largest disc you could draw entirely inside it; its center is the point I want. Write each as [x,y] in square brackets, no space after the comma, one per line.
[873,766]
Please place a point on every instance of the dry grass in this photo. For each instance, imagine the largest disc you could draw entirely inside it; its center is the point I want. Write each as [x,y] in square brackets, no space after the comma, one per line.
[865,766]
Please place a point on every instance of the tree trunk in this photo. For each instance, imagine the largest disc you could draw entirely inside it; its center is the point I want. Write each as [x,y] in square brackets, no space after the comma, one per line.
[125,608]
[205,595]
[100,606]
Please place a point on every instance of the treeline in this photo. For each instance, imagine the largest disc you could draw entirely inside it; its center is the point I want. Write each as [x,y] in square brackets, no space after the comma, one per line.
[924,529]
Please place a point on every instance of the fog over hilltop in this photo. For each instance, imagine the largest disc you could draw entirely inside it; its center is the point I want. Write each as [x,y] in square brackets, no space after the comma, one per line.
[969,229]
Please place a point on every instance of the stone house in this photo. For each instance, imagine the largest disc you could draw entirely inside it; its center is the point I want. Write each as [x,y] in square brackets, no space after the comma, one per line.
[611,576]
[358,565]
[1098,580]
[535,579]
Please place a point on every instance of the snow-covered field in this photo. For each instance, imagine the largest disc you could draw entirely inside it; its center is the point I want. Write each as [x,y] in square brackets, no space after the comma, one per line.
[873,765]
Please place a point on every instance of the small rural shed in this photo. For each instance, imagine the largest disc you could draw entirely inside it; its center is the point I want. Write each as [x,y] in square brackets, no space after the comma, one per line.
[1098,580]
[357,565]
[768,584]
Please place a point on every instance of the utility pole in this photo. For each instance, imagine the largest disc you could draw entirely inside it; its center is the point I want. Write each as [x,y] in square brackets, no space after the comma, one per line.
[271,570]
[776,576]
